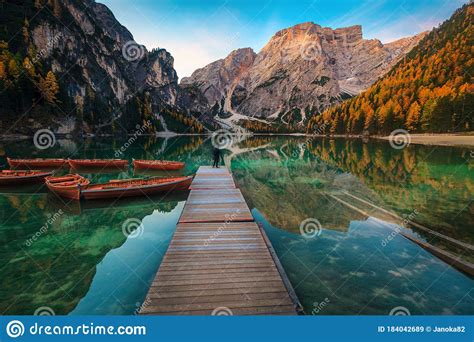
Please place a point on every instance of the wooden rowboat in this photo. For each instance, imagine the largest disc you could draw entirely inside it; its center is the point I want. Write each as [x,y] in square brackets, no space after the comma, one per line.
[164,165]
[13,177]
[135,187]
[37,163]
[67,186]
[102,163]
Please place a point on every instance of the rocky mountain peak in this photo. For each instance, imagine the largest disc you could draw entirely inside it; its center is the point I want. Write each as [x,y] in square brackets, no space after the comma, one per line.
[217,78]
[110,25]
[305,67]
[310,30]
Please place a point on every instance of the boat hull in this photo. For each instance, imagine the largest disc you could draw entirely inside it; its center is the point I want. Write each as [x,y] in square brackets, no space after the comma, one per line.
[97,163]
[15,177]
[67,186]
[135,191]
[66,192]
[36,163]
[157,165]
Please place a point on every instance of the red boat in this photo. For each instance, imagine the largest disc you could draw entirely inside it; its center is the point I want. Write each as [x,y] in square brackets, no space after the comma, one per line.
[37,163]
[13,177]
[164,165]
[67,186]
[102,163]
[135,187]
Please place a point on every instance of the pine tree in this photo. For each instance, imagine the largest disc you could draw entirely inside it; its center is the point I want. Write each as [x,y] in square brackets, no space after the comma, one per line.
[56,8]
[13,69]
[25,30]
[430,90]
[3,71]
[29,67]
[427,114]
[413,117]
[49,87]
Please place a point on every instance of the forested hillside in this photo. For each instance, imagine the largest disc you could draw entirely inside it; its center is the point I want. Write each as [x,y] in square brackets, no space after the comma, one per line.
[430,90]
[70,66]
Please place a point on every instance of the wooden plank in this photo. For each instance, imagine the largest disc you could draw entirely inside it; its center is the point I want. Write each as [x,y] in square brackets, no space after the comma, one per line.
[221,205]
[210,267]
[218,257]
[263,310]
[227,278]
[216,292]
[207,271]
[200,299]
[212,179]
[212,277]
[156,307]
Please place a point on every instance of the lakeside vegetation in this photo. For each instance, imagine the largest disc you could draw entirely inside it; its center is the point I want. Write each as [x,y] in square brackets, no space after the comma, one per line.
[430,90]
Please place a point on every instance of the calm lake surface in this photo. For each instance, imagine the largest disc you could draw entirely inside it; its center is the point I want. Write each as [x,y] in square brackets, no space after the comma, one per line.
[75,258]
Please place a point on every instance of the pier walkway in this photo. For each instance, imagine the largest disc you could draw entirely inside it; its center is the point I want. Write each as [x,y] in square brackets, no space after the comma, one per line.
[219,261]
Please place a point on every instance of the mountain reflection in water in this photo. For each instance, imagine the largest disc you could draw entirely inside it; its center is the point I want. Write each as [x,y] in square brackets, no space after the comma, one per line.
[360,192]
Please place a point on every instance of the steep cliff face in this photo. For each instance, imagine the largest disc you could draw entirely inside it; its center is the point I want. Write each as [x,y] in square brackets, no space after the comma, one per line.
[304,68]
[107,82]
[70,66]
[429,91]
[216,79]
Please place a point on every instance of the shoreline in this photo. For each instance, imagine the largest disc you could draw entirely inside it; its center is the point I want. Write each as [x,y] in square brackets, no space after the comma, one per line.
[464,139]
[443,139]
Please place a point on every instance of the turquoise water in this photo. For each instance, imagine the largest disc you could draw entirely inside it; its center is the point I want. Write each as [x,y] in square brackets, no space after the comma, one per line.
[84,263]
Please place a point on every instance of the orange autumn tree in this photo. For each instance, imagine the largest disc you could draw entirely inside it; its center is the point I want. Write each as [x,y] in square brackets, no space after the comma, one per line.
[430,90]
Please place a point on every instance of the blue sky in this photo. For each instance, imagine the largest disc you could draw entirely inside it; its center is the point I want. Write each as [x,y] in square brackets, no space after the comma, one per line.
[199,32]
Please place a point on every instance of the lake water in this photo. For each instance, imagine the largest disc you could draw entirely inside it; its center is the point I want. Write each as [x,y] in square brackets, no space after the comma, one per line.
[79,258]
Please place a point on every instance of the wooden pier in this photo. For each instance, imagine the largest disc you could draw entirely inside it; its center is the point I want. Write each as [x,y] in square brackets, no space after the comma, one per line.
[219,261]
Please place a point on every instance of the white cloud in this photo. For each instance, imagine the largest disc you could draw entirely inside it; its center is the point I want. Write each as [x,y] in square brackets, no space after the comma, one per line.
[193,50]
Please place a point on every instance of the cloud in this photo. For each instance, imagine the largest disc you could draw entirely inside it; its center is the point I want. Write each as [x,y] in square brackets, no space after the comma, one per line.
[193,39]
[197,35]
[195,49]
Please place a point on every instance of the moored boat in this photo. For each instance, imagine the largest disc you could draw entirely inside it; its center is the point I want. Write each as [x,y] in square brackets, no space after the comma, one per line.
[37,163]
[67,186]
[135,187]
[164,165]
[102,163]
[14,177]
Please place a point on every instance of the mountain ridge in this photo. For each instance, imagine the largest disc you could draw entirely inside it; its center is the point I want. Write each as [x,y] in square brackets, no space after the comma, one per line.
[428,91]
[103,81]
[71,67]
[304,68]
